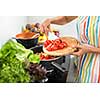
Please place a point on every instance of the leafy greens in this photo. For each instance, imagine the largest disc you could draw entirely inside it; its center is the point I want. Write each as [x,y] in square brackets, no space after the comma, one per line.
[13,61]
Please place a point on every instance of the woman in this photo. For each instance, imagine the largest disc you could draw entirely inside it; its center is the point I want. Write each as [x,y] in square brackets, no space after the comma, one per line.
[88,28]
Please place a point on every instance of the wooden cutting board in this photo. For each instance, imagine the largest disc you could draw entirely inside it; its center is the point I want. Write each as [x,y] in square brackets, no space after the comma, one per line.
[65,51]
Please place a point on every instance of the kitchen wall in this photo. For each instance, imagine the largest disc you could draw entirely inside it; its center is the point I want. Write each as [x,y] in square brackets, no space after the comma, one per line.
[66,30]
[9,26]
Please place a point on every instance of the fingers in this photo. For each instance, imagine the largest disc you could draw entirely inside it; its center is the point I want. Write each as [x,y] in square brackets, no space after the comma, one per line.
[46,30]
[79,53]
[75,53]
[41,28]
[77,46]
[45,26]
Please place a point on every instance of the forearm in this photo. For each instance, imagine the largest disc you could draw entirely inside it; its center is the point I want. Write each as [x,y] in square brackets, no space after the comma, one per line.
[61,20]
[95,50]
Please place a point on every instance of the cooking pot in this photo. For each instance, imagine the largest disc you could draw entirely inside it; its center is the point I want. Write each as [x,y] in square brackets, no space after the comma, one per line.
[27,43]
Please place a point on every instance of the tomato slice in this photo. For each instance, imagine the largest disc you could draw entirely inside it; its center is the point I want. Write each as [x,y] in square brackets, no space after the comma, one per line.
[49,47]
[61,46]
[55,48]
[58,41]
[64,43]
[55,44]
[42,57]
[47,42]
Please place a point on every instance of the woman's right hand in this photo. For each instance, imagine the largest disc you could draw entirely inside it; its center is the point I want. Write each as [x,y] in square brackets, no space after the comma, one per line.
[45,26]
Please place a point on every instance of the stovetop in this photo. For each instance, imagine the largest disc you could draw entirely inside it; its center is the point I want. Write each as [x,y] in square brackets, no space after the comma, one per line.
[57,76]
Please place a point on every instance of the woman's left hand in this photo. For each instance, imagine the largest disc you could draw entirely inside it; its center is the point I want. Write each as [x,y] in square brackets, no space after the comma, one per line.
[84,48]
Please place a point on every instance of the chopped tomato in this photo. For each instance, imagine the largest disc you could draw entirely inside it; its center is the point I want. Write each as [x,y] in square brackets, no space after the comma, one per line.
[64,43]
[55,44]
[61,46]
[47,42]
[49,47]
[43,56]
[55,47]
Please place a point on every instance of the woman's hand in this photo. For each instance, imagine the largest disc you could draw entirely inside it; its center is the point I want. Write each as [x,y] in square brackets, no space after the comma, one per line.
[59,20]
[82,49]
[45,26]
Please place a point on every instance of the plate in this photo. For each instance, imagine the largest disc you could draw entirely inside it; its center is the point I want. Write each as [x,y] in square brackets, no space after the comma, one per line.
[65,51]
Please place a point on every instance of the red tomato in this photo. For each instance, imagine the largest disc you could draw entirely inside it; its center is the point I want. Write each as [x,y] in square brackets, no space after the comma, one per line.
[50,57]
[42,57]
[46,57]
[53,41]
[49,47]
[47,42]
[55,44]
[64,43]
[61,46]
[55,48]
[58,41]
[52,46]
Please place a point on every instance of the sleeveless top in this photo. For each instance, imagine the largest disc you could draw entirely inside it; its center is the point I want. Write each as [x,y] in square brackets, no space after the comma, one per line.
[88,28]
